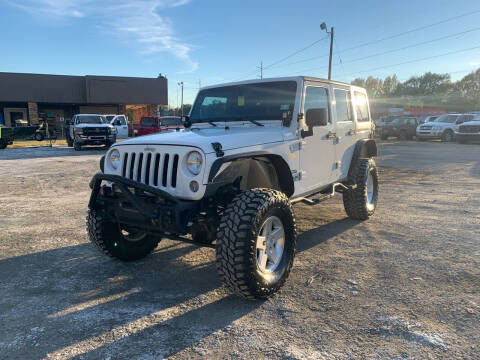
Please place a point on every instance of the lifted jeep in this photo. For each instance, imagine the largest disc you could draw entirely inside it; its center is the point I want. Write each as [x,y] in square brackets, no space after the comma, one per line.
[228,181]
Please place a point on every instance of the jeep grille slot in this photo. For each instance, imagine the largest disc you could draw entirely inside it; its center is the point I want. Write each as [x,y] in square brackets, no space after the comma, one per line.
[165,169]
[154,169]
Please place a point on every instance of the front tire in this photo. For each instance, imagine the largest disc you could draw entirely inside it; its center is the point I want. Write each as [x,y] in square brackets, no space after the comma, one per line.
[117,243]
[448,136]
[360,203]
[256,243]
[39,136]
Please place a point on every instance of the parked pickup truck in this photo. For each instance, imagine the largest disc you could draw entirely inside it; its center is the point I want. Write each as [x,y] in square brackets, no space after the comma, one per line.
[152,125]
[402,128]
[89,129]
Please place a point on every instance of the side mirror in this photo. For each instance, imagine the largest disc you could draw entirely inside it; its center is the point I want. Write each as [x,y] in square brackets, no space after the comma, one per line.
[316,117]
[186,121]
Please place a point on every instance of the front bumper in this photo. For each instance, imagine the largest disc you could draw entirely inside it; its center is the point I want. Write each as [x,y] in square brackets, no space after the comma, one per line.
[134,204]
[467,137]
[95,140]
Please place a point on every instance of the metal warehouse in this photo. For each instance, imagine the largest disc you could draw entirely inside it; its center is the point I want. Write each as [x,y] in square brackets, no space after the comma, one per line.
[27,98]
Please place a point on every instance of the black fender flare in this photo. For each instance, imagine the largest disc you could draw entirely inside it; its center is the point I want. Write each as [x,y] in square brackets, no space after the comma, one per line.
[364,149]
[282,168]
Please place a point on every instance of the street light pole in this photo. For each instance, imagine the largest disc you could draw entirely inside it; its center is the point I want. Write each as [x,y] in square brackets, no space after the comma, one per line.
[181,85]
[323,26]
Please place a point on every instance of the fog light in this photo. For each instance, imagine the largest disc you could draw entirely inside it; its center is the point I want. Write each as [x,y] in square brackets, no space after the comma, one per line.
[194,186]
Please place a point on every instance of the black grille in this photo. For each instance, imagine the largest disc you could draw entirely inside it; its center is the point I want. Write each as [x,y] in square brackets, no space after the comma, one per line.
[95,131]
[158,170]
[469,129]
[426,127]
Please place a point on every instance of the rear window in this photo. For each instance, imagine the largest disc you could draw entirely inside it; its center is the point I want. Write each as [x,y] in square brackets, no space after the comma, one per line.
[361,105]
[147,121]
[171,122]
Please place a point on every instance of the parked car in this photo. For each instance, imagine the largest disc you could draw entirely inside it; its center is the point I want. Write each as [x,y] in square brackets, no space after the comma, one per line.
[469,131]
[402,128]
[443,128]
[89,129]
[152,125]
[120,123]
[428,119]
[229,180]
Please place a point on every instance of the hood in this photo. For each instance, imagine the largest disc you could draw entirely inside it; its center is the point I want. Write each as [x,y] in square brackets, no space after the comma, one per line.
[231,138]
[92,125]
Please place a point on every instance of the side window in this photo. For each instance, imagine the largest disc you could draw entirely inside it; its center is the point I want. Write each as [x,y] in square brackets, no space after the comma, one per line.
[122,120]
[343,105]
[361,106]
[316,98]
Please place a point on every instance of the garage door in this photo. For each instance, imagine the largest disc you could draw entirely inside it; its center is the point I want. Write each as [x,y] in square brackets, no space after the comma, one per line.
[98,109]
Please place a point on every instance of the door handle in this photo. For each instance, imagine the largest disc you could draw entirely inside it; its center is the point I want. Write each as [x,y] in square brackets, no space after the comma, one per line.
[331,135]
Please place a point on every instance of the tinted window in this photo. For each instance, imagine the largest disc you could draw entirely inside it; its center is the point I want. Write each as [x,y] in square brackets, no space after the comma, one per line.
[171,122]
[343,105]
[361,106]
[316,98]
[147,121]
[260,101]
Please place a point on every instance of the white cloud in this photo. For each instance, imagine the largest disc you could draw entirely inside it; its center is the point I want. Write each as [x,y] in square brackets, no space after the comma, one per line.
[133,21]
[474,63]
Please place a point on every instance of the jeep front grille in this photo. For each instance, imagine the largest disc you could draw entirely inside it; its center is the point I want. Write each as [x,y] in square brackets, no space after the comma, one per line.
[154,169]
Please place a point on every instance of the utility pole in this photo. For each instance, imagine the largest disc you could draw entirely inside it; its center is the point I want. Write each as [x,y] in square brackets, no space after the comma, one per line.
[181,106]
[323,26]
[261,69]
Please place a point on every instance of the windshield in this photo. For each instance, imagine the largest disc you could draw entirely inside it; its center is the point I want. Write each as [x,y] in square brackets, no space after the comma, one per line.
[91,119]
[259,101]
[171,122]
[398,122]
[148,121]
[446,118]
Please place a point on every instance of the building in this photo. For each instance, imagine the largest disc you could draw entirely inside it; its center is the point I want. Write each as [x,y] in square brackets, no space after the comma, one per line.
[31,97]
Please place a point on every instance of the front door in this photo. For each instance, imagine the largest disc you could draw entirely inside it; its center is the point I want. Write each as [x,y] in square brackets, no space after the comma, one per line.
[317,154]
[120,124]
[346,131]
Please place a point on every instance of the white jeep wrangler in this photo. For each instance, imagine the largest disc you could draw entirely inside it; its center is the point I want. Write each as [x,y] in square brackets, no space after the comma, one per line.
[228,181]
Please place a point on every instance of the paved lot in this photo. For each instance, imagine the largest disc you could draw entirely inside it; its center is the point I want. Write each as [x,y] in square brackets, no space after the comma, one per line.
[397,286]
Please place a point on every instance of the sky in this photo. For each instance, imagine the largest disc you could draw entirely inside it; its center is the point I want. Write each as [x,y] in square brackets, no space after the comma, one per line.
[204,42]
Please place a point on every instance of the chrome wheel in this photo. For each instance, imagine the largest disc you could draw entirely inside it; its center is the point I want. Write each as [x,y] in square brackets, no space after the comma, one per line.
[270,244]
[370,188]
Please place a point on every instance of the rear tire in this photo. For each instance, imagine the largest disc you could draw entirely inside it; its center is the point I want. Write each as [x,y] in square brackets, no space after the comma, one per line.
[39,136]
[110,240]
[77,146]
[360,203]
[256,243]
[3,144]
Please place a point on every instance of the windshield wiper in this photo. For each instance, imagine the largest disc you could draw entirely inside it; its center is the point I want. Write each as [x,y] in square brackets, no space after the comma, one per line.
[252,121]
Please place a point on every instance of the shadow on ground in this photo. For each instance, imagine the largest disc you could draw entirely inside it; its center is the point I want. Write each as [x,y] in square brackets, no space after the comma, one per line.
[73,301]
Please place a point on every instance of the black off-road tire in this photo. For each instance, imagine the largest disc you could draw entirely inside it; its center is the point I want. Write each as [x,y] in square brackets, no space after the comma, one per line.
[3,144]
[39,136]
[355,201]
[77,146]
[448,136]
[108,239]
[236,250]
[69,141]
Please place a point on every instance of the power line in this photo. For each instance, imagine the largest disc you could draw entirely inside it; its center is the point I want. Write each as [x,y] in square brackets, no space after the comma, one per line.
[398,49]
[417,60]
[394,36]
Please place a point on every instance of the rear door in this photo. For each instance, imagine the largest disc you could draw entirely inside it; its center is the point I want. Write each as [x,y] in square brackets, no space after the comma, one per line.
[345,129]
[317,154]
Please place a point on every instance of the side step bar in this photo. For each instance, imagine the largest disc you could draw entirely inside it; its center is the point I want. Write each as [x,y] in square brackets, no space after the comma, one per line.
[324,196]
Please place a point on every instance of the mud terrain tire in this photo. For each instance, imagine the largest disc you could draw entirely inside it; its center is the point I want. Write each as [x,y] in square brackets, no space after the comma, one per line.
[108,239]
[237,253]
[357,202]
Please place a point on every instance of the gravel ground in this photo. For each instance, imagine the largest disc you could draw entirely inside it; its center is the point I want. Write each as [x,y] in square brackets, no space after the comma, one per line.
[401,285]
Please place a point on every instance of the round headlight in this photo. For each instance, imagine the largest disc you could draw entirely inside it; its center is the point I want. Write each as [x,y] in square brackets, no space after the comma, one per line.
[194,162]
[114,158]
